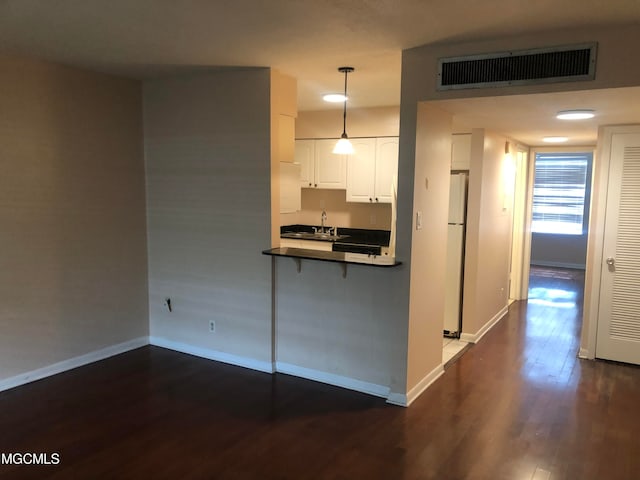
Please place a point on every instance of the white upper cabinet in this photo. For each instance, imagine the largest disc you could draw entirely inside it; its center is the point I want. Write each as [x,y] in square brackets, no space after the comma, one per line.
[330,169]
[305,156]
[319,166]
[460,151]
[386,169]
[361,170]
[372,170]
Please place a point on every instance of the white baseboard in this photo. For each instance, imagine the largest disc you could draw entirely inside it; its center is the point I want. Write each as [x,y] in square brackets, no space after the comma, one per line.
[223,357]
[467,337]
[475,337]
[72,363]
[584,354]
[404,400]
[332,379]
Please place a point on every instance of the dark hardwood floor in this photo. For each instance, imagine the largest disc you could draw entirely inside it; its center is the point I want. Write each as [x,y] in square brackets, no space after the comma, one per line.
[518,405]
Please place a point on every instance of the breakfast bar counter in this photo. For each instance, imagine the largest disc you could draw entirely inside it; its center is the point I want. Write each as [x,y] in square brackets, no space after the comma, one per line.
[344,258]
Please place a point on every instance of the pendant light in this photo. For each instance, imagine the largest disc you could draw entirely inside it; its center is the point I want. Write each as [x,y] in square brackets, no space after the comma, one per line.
[344,147]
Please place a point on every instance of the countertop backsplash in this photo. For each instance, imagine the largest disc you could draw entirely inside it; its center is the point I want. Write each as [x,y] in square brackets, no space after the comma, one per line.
[340,213]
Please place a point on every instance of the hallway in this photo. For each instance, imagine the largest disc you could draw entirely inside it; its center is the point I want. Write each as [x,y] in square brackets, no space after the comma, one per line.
[533,409]
[519,405]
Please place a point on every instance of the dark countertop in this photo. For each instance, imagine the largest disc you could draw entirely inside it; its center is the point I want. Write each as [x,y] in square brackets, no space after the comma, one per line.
[356,236]
[339,257]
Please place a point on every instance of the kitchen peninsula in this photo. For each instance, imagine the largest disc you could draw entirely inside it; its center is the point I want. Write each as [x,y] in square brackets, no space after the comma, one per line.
[339,257]
[333,318]
[331,244]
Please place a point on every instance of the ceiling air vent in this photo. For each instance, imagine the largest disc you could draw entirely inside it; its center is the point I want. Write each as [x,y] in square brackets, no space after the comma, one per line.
[523,67]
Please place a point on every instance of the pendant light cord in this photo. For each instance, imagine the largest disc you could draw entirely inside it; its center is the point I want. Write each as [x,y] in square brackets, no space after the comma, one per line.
[346,71]
[344,114]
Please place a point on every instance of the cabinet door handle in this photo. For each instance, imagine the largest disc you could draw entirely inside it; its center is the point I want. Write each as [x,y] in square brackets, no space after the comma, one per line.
[376,199]
[309,183]
[315,184]
[370,199]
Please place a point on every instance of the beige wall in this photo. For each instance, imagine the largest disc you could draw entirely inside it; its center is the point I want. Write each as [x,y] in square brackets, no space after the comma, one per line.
[488,235]
[283,105]
[73,270]
[429,244]
[361,122]
[340,213]
[208,158]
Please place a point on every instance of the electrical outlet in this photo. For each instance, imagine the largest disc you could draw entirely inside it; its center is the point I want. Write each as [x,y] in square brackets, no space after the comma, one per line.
[212,326]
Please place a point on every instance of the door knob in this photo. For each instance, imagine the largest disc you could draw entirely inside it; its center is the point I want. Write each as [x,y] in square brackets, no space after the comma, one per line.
[611,261]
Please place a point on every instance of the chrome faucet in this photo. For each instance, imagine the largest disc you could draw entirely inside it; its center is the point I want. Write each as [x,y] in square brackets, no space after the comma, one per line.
[323,218]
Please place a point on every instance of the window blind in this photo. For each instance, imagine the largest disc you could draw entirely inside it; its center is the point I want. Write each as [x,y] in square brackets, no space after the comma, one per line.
[559,192]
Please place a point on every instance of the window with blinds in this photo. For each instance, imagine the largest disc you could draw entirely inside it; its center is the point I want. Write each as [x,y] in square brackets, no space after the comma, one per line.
[560,192]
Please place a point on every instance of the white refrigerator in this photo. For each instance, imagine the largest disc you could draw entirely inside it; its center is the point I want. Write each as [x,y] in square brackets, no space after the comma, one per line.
[455,255]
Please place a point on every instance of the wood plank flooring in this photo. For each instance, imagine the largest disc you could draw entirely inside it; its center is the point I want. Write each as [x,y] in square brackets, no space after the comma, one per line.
[518,405]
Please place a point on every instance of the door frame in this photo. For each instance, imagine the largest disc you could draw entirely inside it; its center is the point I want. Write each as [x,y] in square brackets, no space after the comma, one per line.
[521,235]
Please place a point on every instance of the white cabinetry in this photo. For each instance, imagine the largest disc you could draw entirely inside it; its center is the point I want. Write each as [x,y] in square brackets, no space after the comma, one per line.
[386,168]
[330,169]
[372,170]
[361,170]
[305,156]
[308,244]
[320,167]
[460,151]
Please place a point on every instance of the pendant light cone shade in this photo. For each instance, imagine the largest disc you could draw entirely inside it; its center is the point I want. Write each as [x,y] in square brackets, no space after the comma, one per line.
[344,147]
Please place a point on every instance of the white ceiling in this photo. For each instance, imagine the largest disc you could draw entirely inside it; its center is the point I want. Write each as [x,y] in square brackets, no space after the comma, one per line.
[529,118]
[308,39]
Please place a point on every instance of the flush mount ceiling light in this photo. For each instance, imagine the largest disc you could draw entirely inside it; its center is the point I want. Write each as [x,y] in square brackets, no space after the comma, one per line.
[555,139]
[580,114]
[344,146]
[334,98]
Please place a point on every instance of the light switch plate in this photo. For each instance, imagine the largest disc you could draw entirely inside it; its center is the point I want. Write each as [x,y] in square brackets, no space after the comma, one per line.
[418,220]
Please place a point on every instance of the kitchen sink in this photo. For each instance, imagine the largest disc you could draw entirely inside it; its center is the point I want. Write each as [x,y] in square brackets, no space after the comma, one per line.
[313,236]
[295,235]
[326,236]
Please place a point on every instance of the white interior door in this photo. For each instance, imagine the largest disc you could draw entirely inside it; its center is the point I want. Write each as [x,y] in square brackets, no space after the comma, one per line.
[618,333]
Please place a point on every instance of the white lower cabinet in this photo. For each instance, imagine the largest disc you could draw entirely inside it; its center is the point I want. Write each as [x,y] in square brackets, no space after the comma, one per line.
[308,244]
[288,243]
[372,170]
